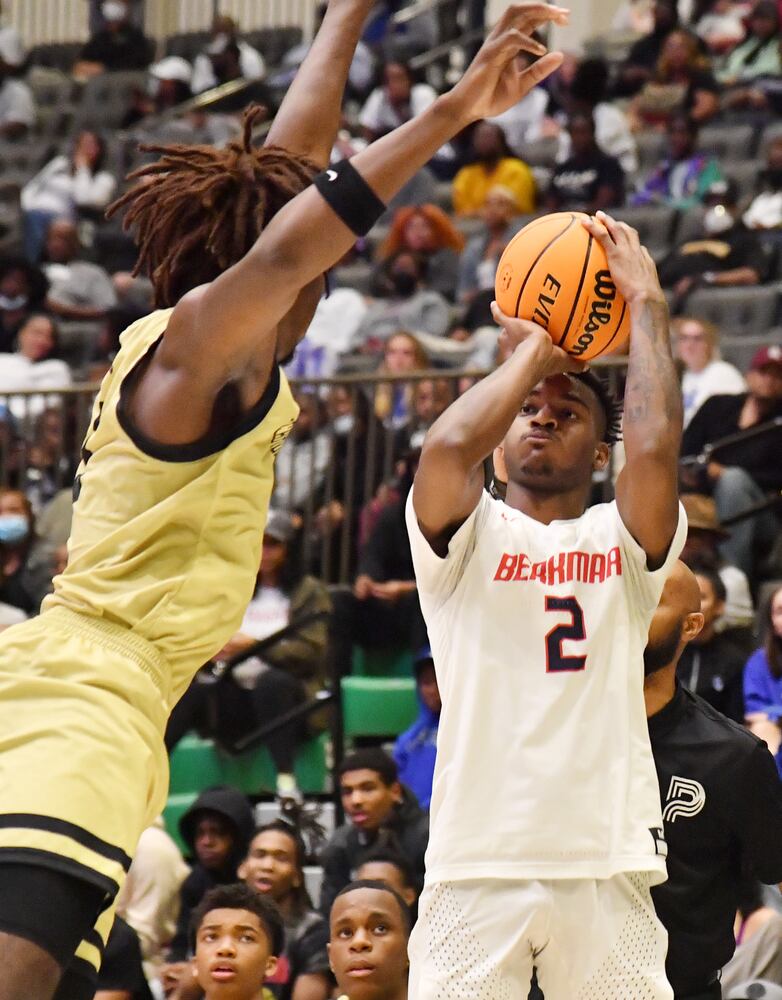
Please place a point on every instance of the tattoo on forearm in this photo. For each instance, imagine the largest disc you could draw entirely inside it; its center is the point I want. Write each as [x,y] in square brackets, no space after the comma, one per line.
[652,385]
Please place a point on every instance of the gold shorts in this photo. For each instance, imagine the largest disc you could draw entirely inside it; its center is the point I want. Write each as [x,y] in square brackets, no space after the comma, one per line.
[83,767]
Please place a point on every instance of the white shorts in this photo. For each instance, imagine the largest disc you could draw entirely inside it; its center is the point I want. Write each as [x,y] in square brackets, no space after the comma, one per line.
[589,940]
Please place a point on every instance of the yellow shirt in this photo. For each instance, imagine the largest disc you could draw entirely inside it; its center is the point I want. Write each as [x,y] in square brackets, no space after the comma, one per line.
[473,183]
[166,540]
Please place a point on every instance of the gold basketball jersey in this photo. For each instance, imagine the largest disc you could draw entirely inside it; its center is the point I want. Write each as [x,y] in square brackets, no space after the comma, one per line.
[166,540]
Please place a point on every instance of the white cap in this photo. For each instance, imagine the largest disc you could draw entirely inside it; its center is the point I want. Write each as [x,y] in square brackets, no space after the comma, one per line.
[11,47]
[172,68]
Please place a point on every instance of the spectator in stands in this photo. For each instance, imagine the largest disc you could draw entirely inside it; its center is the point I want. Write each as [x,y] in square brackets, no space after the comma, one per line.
[758,953]
[370,925]
[274,867]
[757,470]
[757,56]
[149,899]
[69,185]
[587,95]
[402,355]
[682,83]
[78,289]
[98,21]
[49,460]
[685,175]
[721,801]
[226,57]
[589,180]
[642,59]
[217,829]
[765,210]
[416,749]
[301,464]
[712,665]
[384,864]
[237,928]
[721,26]
[168,84]
[482,254]
[332,333]
[404,300]
[17,104]
[33,367]
[704,534]
[283,675]
[121,975]
[727,253]
[428,231]
[380,812]
[23,289]
[494,163]
[705,374]
[119,45]
[763,680]
[431,398]
[25,563]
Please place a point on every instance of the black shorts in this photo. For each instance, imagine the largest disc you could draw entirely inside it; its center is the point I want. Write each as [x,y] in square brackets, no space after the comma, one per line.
[55,912]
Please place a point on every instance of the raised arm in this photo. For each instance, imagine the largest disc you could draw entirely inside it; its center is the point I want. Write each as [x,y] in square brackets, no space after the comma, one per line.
[449,480]
[309,116]
[646,490]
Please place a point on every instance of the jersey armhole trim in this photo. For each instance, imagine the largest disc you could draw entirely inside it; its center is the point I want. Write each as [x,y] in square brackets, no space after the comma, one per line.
[209,444]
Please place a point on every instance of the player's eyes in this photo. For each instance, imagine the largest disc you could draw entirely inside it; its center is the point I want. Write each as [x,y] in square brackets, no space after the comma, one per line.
[526,409]
[247,937]
[344,932]
[381,929]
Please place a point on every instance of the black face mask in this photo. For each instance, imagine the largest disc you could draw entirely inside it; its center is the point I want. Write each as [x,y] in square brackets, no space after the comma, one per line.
[403,283]
[773,178]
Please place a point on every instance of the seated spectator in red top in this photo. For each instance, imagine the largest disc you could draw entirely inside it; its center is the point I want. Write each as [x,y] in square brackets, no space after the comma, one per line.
[117,46]
[641,61]
[727,253]
[757,471]
[427,230]
[589,179]
[685,175]
[682,82]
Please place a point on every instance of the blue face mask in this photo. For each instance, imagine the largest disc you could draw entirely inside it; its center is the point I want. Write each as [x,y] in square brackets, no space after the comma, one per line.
[13,529]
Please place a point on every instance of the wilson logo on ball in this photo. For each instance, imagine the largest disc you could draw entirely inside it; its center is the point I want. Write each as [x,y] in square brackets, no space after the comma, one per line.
[600,312]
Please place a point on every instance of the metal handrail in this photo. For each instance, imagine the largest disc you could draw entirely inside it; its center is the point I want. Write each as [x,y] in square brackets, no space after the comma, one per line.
[432,55]
[415,9]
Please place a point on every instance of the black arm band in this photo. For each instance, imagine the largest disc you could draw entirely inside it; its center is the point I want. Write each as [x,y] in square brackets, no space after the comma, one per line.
[349,195]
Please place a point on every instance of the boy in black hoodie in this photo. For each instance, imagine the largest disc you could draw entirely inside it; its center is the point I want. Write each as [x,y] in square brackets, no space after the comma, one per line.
[380,812]
[217,829]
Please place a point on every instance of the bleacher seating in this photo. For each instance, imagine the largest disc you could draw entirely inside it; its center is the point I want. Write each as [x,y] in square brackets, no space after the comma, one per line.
[105,98]
[752,309]
[655,225]
[377,706]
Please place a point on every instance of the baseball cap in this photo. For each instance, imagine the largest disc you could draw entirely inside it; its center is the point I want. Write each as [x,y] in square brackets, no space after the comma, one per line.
[172,68]
[771,355]
[721,192]
[758,989]
[701,513]
[279,526]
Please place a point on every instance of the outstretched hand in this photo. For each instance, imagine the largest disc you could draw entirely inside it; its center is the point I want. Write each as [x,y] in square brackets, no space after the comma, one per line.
[630,263]
[495,81]
[552,359]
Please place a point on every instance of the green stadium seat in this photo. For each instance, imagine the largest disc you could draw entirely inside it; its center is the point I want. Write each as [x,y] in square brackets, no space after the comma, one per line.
[176,807]
[382,662]
[378,706]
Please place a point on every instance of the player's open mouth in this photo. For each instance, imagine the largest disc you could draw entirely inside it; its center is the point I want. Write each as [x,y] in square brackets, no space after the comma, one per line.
[223,972]
[263,884]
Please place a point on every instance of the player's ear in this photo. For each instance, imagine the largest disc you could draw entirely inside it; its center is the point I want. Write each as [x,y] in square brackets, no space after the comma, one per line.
[271,966]
[692,625]
[602,457]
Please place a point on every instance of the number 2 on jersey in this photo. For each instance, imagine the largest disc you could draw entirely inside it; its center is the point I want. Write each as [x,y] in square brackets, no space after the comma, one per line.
[574,631]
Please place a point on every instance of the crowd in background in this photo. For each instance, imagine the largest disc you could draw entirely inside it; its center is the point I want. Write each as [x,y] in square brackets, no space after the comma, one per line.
[677,132]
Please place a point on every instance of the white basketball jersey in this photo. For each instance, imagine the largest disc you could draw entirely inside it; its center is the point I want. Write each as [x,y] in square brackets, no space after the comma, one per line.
[544,768]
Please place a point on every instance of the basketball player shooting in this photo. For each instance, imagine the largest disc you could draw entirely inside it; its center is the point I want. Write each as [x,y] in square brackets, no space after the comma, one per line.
[175,478]
[545,830]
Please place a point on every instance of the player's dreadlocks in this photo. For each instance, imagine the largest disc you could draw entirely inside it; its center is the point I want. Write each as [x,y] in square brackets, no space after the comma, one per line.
[198,210]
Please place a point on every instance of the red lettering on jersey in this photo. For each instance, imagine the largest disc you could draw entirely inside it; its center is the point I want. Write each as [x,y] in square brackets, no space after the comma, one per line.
[522,567]
[597,568]
[577,567]
[538,572]
[614,567]
[556,570]
[506,567]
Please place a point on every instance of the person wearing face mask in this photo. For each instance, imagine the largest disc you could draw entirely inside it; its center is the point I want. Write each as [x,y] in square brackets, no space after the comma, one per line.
[23,289]
[211,65]
[25,567]
[726,253]
[404,301]
[118,45]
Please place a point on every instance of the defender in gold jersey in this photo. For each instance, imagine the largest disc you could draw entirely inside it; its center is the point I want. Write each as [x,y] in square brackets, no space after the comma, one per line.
[175,478]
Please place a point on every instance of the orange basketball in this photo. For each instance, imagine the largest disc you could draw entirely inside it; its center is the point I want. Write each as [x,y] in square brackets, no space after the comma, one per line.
[555,273]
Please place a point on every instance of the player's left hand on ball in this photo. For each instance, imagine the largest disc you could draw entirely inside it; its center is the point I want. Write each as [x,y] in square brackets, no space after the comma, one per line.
[632,268]
[552,359]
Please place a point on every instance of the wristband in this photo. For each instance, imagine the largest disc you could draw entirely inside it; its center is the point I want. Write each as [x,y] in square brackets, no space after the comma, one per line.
[350,197]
